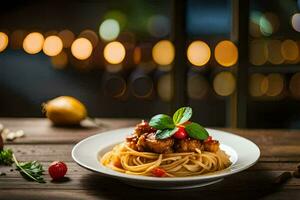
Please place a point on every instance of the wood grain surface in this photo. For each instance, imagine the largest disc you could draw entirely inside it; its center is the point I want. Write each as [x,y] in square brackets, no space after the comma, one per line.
[280,152]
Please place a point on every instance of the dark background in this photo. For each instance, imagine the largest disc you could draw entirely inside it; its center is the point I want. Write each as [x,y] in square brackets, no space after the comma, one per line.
[27,81]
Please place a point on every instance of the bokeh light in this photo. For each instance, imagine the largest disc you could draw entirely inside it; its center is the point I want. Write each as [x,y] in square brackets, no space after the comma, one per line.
[265,25]
[198,53]
[90,35]
[159,26]
[165,87]
[109,29]
[67,37]
[3,41]
[197,86]
[142,87]
[117,15]
[276,84]
[224,83]
[33,43]
[273,20]
[82,48]
[226,53]
[274,49]
[296,22]
[115,86]
[258,85]
[60,61]
[53,45]
[258,52]
[137,55]
[17,38]
[254,27]
[114,52]
[163,52]
[289,50]
[294,85]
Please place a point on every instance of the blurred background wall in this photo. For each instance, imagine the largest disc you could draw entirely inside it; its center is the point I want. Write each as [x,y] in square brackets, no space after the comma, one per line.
[119,58]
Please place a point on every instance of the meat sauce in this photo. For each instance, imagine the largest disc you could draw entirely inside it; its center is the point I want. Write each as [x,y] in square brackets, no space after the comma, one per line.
[143,139]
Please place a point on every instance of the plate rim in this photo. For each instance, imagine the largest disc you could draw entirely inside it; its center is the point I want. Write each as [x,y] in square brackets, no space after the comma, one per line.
[122,176]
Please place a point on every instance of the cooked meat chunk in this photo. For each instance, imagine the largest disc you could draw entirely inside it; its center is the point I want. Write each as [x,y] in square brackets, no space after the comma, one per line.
[132,140]
[142,128]
[147,142]
[211,146]
[188,145]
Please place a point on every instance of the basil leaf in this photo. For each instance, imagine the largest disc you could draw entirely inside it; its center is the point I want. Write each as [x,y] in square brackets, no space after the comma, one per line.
[182,115]
[161,122]
[163,134]
[196,131]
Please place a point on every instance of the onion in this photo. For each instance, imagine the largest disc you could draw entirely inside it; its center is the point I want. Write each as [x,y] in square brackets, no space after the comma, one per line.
[65,110]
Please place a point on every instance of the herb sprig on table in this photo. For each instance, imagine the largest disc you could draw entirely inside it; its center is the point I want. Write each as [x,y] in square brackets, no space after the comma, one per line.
[6,157]
[30,170]
[167,126]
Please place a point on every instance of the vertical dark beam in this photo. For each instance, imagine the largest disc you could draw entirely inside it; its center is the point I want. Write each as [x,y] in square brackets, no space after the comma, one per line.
[180,66]
[243,10]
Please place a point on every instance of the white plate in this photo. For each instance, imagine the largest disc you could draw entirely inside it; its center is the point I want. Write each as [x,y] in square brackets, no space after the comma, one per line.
[243,154]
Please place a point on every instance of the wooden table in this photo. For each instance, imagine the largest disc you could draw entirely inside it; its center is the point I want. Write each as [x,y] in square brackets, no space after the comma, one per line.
[280,151]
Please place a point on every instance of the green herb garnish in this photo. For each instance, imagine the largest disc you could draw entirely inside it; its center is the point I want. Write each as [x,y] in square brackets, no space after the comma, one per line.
[182,115]
[196,131]
[162,122]
[30,170]
[166,126]
[6,157]
[163,134]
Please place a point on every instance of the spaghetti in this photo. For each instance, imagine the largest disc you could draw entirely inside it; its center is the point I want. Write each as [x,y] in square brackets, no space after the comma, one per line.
[123,158]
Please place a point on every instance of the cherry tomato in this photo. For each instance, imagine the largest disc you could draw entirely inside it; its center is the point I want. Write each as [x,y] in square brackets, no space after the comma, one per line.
[118,164]
[57,170]
[181,133]
[158,172]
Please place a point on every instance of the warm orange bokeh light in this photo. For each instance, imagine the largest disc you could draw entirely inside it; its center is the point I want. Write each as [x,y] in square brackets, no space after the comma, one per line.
[274,52]
[276,84]
[3,41]
[91,36]
[224,83]
[82,48]
[258,85]
[114,52]
[33,43]
[198,53]
[137,55]
[226,53]
[16,39]
[163,52]
[67,37]
[53,45]
[60,61]
[289,50]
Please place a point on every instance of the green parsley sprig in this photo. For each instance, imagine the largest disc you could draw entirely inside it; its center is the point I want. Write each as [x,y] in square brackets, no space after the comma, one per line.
[30,170]
[6,157]
[167,126]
